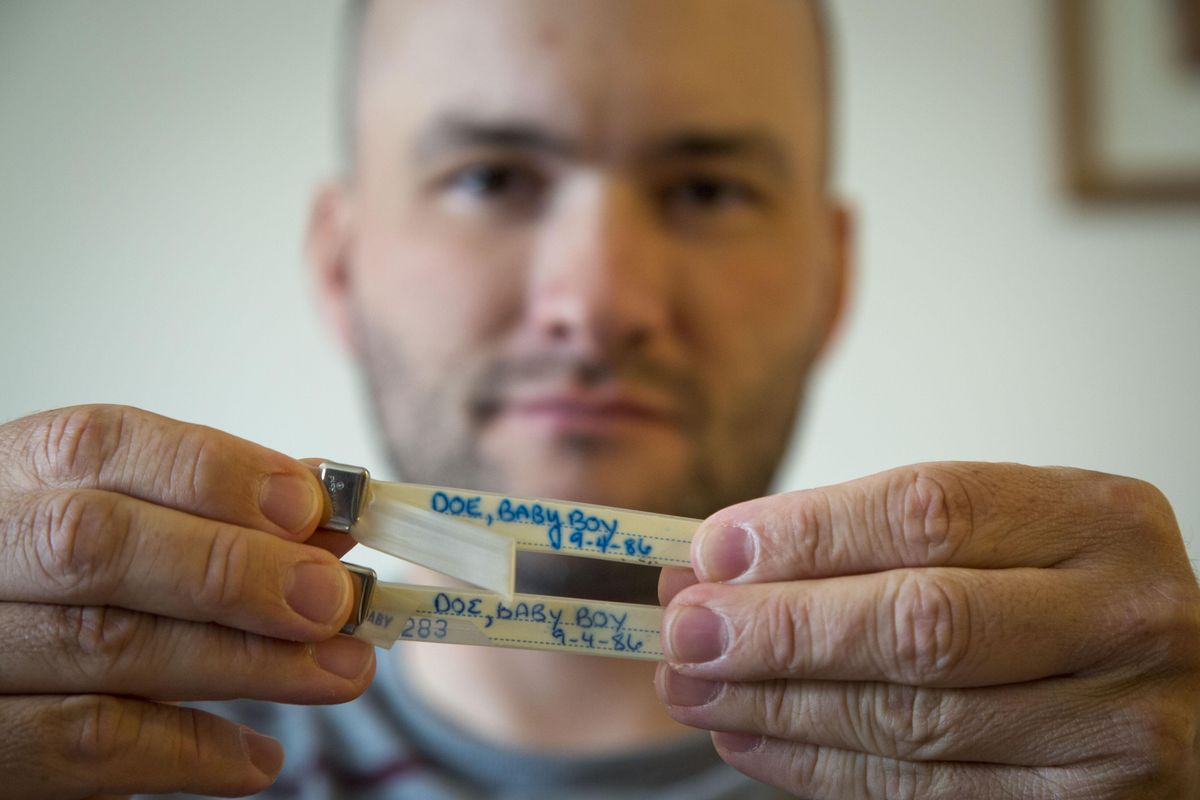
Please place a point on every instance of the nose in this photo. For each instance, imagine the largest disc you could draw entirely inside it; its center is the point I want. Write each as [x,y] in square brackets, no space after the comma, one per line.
[600,283]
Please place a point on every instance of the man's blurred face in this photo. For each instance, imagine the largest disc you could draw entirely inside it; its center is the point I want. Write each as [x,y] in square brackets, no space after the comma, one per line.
[588,253]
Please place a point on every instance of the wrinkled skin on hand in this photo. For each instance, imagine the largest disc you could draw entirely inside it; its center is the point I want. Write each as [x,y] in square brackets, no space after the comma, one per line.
[944,631]
[145,561]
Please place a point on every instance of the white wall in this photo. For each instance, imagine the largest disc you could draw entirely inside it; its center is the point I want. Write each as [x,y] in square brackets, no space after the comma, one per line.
[156,158]
[995,318]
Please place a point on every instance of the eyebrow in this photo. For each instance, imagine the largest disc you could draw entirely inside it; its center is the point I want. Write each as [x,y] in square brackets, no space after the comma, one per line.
[455,132]
[452,133]
[700,145]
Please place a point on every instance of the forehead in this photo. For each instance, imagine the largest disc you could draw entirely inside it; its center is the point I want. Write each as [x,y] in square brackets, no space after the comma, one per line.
[605,72]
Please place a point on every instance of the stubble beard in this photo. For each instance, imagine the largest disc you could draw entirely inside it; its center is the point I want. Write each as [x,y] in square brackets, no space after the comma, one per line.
[431,437]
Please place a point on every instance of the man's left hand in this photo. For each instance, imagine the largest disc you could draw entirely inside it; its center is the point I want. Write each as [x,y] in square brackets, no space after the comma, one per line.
[944,631]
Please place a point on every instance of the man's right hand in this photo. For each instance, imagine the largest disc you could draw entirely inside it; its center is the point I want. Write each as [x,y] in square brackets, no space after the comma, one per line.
[144,561]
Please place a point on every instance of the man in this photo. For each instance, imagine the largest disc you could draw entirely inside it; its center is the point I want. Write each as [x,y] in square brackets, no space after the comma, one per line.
[587,250]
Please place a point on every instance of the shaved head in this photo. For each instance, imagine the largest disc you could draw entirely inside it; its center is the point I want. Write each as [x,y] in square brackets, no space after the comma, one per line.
[355,43]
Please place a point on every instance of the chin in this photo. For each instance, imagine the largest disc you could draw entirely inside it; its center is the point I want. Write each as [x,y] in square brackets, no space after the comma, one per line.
[644,466]
[646,483]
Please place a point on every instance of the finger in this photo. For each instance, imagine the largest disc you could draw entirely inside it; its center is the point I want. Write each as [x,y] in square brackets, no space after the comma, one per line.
[188,467]
[947,514]
[919,627]
[334,542]
[74,747]
[672,581]
[1046,723]
[73,650]
[812,771]
[88,547]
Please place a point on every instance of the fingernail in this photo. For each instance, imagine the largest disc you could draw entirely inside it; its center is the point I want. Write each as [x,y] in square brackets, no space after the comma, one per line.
[697,635]
[726,553]
[266,754]
[290,501]
[736,742]
[684,690]
[343,656]
[317,591]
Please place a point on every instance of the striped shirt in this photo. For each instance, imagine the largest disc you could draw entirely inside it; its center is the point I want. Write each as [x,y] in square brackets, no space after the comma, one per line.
[389,744]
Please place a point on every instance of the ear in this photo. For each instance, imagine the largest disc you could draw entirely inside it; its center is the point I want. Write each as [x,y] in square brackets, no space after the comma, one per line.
[841,270]
[328,250]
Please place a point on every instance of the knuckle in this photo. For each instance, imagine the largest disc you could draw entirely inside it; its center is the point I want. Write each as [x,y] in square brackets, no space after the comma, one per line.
[1181,635]
[1161,625]
[243,653]
[1175,631]
[105,639]
[192,740]
[78,536]
[901,780]
[226,570]
[796,637]
[96,729]
[803,523]
[1160,738]
[930,511]
[1136,504]
[906,722]
[89,741]
[192,460]
[1151,624]
[806,766]
[924,628]
[75,442]
[781,624]
[775,707]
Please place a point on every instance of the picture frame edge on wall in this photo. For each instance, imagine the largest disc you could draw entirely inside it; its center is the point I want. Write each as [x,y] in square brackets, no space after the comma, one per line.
[1087,173]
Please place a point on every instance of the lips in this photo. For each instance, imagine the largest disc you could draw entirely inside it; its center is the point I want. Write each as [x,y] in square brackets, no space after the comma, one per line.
[566,408]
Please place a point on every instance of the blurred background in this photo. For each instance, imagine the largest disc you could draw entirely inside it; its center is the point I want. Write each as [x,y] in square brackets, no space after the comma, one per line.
[157,159]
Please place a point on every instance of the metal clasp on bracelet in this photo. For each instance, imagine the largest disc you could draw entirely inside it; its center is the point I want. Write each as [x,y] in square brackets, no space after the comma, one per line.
[346,486]
[362,600]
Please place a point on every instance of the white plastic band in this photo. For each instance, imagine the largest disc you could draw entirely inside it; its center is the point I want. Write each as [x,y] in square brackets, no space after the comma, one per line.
[472,535]
[400,612]
[556,526]
[471,554]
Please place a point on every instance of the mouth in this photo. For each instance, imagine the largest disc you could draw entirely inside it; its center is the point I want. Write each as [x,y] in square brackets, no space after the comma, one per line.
[587,411]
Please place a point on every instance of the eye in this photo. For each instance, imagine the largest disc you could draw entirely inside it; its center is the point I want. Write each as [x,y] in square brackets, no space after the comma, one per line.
[484,180]
[706,193]
[504,185]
